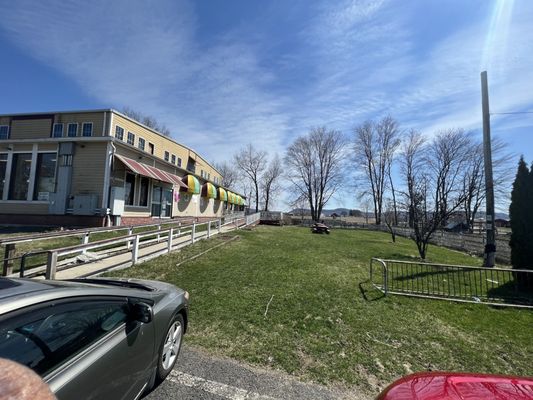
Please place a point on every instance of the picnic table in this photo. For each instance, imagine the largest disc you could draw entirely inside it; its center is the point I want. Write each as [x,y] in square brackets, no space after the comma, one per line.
[320,228]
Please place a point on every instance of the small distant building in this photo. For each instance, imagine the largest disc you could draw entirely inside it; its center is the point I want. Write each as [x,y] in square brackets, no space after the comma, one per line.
[502,223]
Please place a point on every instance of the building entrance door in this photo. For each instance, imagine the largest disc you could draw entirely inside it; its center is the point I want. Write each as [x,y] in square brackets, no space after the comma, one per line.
[161,202]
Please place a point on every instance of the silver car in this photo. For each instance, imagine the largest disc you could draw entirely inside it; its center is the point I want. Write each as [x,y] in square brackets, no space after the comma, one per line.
[93,338]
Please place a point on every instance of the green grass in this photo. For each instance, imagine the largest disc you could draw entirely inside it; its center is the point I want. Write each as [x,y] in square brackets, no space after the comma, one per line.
[325,323]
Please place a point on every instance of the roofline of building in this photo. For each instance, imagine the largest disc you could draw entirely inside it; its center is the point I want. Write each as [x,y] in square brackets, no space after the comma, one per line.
[113,111]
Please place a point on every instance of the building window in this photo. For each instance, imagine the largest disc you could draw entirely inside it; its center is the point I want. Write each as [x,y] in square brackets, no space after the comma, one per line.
[66,160]
[3,167]
[72,130]
[131,138]
[167,155]
[44,176]
[151,148]
[129,189]
[173,159]
[179,162]
[119,133]
[87,129]
[141,143]
[143,193]
[4,132]
[20,176]
[209,176]
[58,130]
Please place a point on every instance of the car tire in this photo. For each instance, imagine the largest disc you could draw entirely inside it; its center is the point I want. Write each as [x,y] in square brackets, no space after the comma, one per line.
[170,347]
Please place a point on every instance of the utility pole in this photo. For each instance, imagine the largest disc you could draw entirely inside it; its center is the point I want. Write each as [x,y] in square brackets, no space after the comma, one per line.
[490,246]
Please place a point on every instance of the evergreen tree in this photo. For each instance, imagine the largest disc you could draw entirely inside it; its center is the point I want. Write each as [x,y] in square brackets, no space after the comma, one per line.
[521,214]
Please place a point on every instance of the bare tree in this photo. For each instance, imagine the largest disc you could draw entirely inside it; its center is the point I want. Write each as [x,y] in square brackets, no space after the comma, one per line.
[252,162]
[374,148]
[446,156]
[474,177]
[431,172]
[314,166]
[270,181]
[229,174]
[390,216]
[148,120]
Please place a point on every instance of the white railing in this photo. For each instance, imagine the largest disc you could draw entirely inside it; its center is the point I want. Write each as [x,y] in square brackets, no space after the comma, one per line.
[134,242]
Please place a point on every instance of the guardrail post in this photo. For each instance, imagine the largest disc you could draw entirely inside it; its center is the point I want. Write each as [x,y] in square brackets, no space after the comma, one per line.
[209,229]
[219,225]
[22,265]
[9,253]
[193,232]
[179,229]
[169,244]
[158,235]
[130,232]
[51,265]
[85,240]
[135,250]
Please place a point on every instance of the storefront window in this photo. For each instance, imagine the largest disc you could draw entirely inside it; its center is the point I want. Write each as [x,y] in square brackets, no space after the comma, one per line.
[44,176]
[143,193]
[3,166]
[129,189]
[20,176]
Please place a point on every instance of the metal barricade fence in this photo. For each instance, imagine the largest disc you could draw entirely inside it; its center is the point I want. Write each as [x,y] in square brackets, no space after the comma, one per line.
[498,286]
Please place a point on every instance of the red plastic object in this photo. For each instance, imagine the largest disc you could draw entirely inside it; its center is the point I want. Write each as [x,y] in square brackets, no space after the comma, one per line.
[458,386]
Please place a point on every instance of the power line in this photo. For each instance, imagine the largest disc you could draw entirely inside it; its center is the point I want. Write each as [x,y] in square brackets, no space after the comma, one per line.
[515,112]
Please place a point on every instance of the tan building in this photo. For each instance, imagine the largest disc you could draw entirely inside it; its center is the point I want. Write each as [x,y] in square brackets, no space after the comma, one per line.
[96,167]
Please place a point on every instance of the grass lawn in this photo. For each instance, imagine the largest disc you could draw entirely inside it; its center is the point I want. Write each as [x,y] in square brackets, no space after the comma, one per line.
[324,322]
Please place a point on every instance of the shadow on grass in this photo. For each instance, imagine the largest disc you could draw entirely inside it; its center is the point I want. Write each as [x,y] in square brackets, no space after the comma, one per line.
[370,293]
[512,292]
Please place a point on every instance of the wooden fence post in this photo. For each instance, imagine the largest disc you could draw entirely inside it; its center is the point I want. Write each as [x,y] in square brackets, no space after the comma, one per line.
[169,244]
[209,229]
[51,265]
[158,235]
[85,240]
[9,253]
[193,232]
[130,232]
[219,225]
[135,250]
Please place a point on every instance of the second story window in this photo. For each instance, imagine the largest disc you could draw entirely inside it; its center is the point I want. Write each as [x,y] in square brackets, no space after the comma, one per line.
[167,155]
[131,138]
[72,130]
[4,132]
[119,133]
[151,148]
[179,162]
[173,159]
[58,130]
[142,143]
[87,129]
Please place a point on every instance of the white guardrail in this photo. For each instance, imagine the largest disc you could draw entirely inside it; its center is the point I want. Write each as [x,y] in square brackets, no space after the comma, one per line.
[133,242]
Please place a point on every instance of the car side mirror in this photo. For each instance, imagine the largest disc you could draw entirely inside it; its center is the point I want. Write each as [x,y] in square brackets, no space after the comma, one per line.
[142,312]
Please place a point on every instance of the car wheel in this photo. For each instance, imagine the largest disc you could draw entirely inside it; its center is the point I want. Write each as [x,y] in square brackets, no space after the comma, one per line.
[170,347]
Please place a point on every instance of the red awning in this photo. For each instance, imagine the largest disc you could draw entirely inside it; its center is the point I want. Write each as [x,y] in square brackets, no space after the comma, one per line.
[151,172]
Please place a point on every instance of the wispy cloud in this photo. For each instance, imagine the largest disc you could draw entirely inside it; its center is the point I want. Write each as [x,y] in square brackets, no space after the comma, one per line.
[278,72]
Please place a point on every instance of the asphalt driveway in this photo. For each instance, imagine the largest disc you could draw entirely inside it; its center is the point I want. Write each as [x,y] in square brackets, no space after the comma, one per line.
[201,376]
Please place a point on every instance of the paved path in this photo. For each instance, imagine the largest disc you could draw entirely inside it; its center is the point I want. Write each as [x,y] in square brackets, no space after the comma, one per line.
[198,375]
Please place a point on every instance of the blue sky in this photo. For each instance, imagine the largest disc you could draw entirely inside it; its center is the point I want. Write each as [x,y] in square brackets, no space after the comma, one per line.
[223,73]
